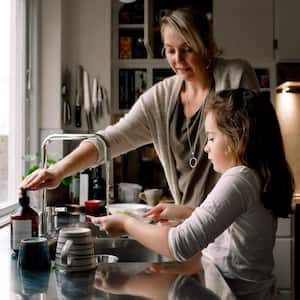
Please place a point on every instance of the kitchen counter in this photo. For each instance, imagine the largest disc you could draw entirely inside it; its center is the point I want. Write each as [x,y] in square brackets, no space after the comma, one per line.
[168,280]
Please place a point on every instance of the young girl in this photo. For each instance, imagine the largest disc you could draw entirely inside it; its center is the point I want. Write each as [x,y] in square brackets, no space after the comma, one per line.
[235,226]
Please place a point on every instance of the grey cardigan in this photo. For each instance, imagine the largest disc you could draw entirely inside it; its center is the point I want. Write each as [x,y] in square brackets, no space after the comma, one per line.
[149,118]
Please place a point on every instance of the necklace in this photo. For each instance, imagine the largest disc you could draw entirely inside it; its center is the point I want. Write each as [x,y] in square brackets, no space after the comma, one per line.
[193,161]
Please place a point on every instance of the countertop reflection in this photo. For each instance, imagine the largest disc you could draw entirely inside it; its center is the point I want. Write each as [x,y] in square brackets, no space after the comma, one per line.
[167,280]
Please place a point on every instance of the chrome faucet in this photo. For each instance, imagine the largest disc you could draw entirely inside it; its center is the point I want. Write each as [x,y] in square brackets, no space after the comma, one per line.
[72,137]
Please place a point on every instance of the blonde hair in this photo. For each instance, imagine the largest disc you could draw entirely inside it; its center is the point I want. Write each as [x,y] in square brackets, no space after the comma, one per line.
[196,30]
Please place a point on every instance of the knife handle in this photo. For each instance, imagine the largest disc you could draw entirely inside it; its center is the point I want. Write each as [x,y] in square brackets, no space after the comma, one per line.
[78,116]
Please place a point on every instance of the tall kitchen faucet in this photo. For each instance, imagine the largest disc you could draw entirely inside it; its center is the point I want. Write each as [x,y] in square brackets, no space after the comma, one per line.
[73,137]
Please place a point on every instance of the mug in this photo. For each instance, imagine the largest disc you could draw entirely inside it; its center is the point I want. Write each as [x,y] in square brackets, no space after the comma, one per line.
[34,254]
[75,250]
[129,192]
[151,196]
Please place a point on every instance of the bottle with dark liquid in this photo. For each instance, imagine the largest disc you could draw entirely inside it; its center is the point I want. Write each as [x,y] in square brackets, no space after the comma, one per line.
[24,222]
[98,190]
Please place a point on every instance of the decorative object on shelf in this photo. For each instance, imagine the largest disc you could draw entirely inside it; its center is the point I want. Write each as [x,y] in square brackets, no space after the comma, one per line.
[125,47]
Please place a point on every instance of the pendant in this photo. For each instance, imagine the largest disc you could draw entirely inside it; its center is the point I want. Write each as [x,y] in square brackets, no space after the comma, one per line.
[193,162]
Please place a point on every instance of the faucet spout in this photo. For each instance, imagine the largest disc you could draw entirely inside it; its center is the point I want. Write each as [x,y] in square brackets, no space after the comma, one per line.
[71,137]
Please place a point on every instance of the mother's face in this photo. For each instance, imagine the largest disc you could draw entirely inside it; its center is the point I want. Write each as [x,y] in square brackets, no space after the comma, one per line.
[184,60]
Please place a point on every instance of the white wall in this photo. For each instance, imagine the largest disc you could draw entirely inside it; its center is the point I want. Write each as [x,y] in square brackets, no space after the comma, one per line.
[71,32]
[86,40]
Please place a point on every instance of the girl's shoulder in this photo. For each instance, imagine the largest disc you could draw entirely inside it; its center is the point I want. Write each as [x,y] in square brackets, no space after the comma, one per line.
[242,177]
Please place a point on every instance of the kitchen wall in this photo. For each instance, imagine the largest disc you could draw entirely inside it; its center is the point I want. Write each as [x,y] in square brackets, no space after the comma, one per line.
[71,32]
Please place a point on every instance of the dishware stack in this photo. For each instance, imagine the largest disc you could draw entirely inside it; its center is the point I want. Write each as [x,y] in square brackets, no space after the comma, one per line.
[75,250]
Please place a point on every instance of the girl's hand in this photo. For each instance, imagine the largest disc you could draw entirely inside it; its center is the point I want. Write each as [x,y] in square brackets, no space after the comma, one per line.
[41,178]
[112,225]
[169,212]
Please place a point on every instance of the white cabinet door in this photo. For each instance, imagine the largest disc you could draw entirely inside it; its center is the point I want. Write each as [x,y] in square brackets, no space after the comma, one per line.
[287,26]
[284,227]
[244,29]
[283,260]
[284,295]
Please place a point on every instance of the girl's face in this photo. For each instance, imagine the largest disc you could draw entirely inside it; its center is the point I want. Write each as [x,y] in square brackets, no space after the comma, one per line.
[184,61]
[217,146]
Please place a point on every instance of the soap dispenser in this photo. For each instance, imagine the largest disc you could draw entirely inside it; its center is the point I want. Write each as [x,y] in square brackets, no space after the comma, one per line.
[24,222]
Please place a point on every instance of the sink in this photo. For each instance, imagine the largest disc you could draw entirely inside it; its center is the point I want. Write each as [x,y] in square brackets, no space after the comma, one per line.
[127,250]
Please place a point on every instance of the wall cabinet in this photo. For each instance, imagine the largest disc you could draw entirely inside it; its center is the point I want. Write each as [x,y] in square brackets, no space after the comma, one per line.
[287,24]
[284,258]
[244,29]
[137,61]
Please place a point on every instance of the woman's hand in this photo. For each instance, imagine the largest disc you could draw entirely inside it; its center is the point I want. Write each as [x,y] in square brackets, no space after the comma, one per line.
[113,225]
[41,178]
[169,212]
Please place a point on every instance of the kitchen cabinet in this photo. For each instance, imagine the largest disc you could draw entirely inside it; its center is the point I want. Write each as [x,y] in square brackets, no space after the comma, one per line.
[137,62]
[284,258]
[287,24]
[244,29]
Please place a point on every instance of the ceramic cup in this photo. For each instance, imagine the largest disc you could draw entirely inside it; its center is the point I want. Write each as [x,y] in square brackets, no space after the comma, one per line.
[129,192]
[34,254]
[151,196]
[75,250]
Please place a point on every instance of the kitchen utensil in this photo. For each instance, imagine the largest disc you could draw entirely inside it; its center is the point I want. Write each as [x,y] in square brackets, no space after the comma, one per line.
[78,95]
[66,105]
[87,100]
[95,99]
[100,100]
[105,99]
[34,254]
[151,196]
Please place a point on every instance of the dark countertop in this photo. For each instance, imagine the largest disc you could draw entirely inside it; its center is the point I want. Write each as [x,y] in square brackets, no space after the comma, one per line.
[111,281]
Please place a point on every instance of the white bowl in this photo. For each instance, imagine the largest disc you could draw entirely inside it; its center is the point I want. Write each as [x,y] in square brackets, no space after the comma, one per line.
[133,209]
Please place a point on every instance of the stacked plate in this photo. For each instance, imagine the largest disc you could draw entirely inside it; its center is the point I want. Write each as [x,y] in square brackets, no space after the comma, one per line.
[75,250]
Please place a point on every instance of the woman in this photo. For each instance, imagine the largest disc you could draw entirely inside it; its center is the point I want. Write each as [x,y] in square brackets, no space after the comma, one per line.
[236,224]
[170,114]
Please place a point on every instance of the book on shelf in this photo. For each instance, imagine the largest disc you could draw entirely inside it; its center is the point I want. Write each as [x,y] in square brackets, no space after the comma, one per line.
[132,83]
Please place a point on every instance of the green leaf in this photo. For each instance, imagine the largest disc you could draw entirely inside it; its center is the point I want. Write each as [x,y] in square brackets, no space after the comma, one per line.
[66,181]
[32,169]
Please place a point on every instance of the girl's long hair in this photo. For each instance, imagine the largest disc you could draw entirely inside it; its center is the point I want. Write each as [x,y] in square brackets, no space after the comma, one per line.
[250,122]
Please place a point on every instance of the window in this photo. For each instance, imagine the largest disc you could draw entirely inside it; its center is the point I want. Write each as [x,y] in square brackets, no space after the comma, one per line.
[12,100]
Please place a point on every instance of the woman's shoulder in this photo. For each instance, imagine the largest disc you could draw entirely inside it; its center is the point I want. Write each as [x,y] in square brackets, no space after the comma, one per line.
[168,84]
[231,64]
[234,73]
[165,89]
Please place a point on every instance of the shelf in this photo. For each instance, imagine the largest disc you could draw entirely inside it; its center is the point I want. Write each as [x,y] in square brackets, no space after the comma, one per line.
[131,26]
